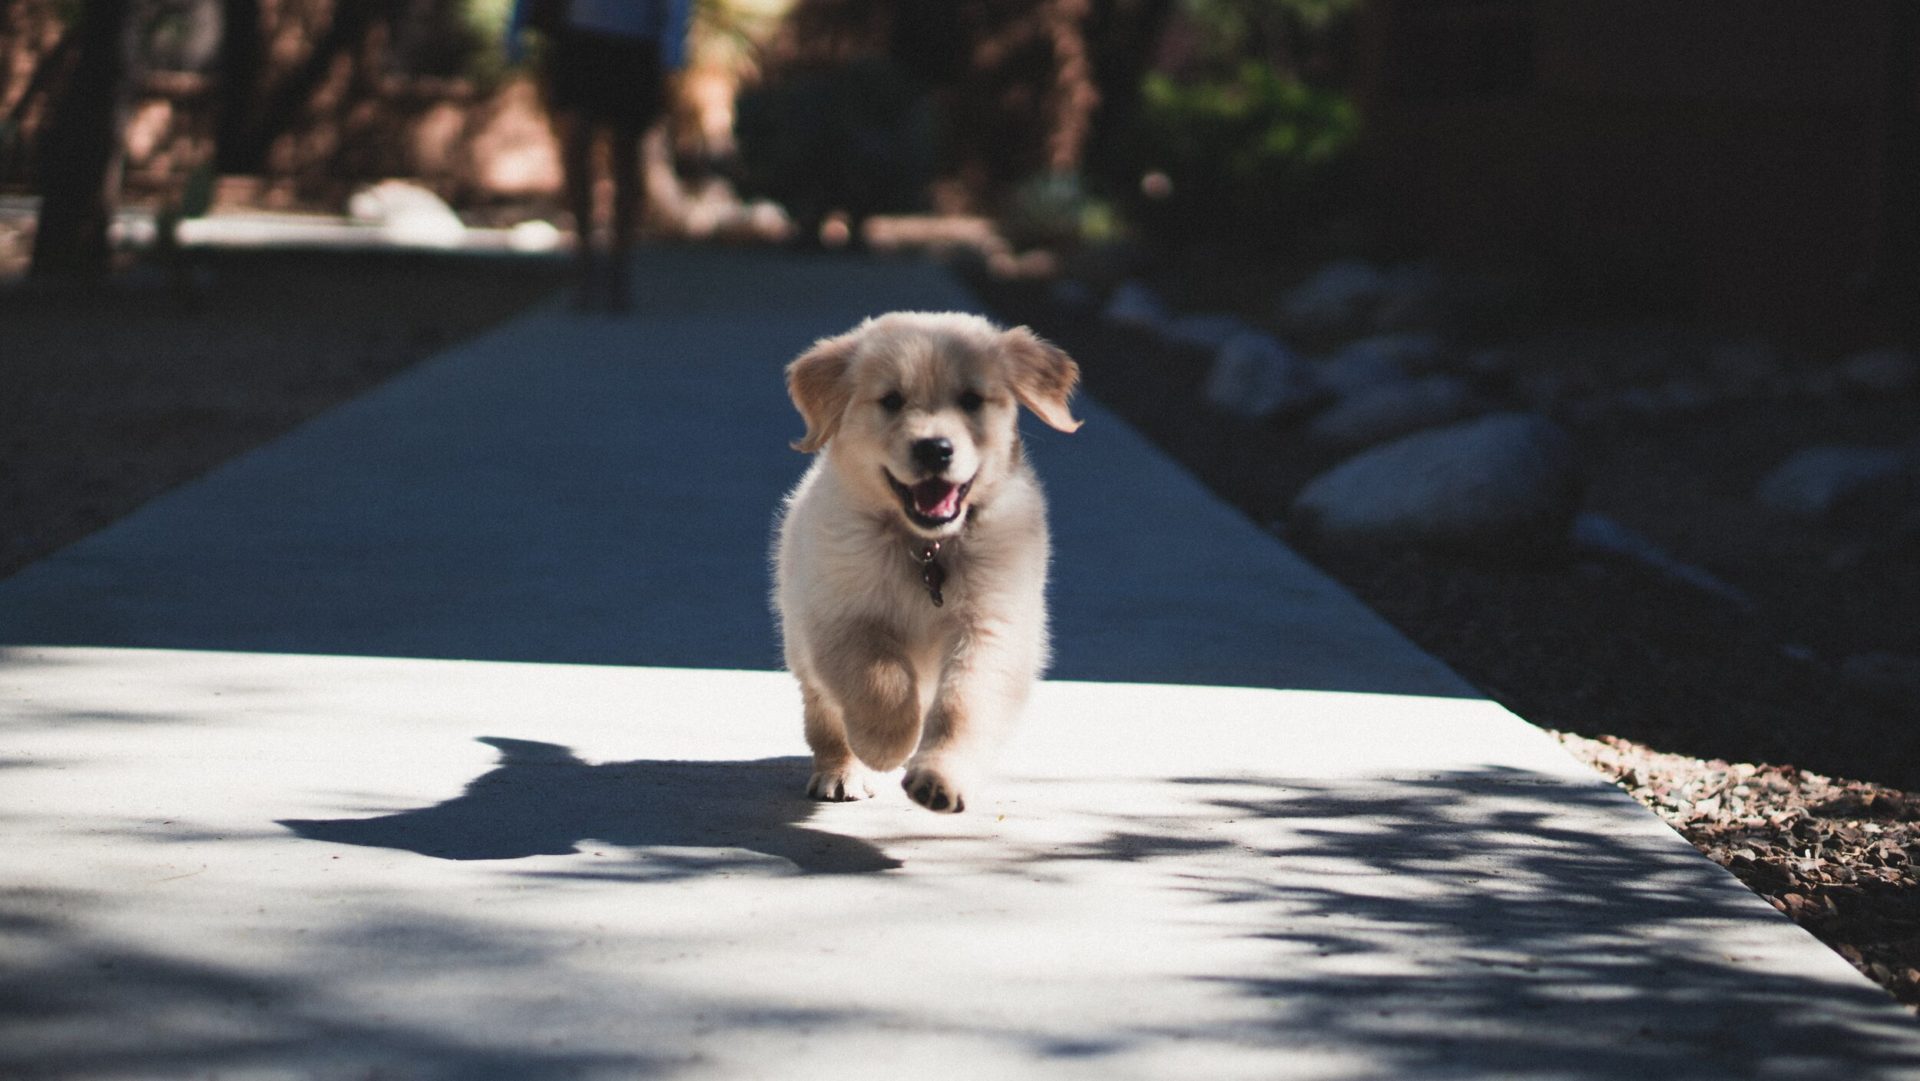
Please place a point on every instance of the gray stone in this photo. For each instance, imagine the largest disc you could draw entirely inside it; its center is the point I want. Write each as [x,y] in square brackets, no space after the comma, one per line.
[1072,295]
[1799,654]
[1371,362]
[1890,677]
[1339,299]
[1344,375]
[1881,371]
[1600,535]
[1416,352]
[1506,480]
[1256,375]
[1135,305]
[1815,481]
[1205,330]
[407,213]
[1885,508]
[1395,409]
[1680,396]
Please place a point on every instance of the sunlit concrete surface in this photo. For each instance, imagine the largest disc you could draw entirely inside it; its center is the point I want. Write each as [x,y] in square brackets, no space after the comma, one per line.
[439,739]
[257,865]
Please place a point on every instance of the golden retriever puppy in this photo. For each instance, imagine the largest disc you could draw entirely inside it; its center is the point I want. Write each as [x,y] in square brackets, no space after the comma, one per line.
[910,561]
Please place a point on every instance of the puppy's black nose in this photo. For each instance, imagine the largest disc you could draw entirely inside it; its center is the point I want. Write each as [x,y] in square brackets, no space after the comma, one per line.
[933,455]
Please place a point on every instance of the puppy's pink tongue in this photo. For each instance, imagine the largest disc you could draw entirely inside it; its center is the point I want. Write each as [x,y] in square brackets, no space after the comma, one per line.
[936,498]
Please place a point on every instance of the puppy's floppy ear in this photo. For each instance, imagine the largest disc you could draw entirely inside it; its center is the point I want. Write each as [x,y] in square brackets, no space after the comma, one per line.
[817,383]
[1043,377]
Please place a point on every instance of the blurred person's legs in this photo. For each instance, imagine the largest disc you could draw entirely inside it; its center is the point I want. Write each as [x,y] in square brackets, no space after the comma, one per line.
[607,91]
[629,201]
[576,163]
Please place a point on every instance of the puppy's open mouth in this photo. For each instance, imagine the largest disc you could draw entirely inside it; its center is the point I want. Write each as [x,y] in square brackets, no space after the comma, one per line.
[932,503]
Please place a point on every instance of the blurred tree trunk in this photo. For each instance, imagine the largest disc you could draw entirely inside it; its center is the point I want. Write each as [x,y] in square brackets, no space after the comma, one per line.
[46,73]
[256,110]
[235,149]
[1023,92]
[1122,37]
[81,152]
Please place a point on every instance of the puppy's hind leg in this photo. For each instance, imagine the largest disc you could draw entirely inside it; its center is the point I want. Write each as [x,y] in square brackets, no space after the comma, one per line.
[838,776]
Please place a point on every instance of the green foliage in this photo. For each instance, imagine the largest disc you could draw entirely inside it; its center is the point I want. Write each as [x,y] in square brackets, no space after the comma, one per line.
[1055,210]
[1257,126]
[486,19]
[1230,31]
[1251,153]
[481,32]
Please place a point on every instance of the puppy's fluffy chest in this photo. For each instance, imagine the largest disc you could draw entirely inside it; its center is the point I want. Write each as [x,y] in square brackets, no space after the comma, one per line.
[863,566]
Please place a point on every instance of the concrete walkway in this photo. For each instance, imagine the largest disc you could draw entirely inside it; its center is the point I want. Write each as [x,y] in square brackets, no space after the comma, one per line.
[441,739]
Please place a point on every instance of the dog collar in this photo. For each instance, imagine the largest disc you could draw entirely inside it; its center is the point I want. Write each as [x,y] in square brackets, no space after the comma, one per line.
[932,574]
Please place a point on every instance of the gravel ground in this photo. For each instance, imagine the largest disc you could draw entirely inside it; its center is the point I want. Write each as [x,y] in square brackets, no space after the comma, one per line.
[1837,856]
[121,394]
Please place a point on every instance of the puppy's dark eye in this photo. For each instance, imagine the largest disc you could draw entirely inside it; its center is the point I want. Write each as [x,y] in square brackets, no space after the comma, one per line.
[971,401]
[893,402]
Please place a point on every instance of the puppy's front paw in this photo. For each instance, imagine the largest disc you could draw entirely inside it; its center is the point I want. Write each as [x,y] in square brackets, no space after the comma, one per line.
[935,788]
[840,785]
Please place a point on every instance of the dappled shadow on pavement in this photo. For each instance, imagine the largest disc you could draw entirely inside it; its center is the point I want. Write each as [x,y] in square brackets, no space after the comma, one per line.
[1464,923]
[1461,923]
[543,801]
[75,1003]
[1475,923]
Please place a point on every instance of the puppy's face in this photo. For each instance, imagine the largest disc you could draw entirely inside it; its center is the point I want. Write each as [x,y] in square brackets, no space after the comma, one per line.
[917,411]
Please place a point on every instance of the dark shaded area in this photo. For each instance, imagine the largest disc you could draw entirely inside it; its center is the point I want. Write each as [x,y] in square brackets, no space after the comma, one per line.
[994,93]
[1750,159]
[1587,645]
[150,1013]
[543,801]
[237,145]
[78,166]
[1122,36]
[856,138]
[120,394]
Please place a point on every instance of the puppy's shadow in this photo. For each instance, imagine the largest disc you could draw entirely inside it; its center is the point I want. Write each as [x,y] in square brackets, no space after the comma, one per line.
[542,800]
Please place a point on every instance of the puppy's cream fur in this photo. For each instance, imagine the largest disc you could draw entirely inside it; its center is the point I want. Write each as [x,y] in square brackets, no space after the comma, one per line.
[888,677]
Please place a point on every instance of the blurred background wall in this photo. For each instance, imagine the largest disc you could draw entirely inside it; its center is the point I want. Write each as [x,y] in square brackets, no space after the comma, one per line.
[1730,154]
